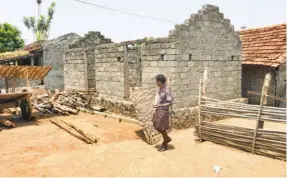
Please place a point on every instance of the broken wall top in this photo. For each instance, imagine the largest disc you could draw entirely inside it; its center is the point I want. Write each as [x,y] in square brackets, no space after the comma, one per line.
[90,40]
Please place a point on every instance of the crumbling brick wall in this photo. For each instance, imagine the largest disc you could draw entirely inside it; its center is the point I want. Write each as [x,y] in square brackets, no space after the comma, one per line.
[90,40]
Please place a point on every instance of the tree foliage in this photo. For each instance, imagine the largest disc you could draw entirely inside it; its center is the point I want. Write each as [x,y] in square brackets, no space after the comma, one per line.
[10,38]
[41,26]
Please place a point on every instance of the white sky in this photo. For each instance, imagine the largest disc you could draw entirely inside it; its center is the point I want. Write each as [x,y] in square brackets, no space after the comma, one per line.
[72,16]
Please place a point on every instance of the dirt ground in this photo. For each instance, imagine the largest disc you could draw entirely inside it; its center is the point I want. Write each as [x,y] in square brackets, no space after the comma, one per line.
[42,149]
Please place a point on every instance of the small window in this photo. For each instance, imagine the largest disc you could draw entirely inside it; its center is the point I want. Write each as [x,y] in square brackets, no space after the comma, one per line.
[190,57]
[119,59]
[232,58]
[162,57]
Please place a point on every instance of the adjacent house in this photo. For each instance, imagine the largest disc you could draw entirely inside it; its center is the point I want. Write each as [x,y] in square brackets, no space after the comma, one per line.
[43,53]
[263,51]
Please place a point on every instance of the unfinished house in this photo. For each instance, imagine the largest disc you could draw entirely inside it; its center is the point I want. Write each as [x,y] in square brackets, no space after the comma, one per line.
[206,39]
[264,51]
[79,62]
[43,53]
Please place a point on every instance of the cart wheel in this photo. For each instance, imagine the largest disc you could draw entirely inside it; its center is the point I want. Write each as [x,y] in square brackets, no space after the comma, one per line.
[26,114]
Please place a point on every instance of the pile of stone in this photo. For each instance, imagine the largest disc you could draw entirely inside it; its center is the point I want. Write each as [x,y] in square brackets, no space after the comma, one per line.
[66,103]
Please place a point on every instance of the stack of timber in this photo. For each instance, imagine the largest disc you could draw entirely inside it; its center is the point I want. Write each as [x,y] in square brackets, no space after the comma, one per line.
[66,103]
[268,143]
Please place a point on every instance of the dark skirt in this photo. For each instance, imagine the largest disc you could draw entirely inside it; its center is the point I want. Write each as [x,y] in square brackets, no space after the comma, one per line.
[161,119]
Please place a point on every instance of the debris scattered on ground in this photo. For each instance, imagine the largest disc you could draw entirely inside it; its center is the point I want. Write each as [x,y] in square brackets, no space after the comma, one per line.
[217,169]
[66,103]
[7,123]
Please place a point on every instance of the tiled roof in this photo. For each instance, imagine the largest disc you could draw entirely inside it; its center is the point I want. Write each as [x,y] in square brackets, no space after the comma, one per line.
[34,46]
[264,46]
[8,56]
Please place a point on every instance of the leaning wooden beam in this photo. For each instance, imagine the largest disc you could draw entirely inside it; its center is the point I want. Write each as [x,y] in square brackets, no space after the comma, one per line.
[265,88]
[94,140]
[75,135]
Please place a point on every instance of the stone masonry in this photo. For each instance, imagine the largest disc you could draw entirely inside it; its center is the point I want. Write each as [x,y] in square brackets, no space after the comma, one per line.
[109,71]
[74,69]
[79,62]
[206,39]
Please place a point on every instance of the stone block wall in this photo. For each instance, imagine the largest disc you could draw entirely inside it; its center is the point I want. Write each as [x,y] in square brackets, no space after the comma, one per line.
[206,39]
[134,65]
[91,68]
[74,69]
[90,40]
[281,84]
[109,71]
[53,56]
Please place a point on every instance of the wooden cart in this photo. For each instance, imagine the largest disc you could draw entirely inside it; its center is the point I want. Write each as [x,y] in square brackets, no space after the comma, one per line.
[13,100]
[22,99]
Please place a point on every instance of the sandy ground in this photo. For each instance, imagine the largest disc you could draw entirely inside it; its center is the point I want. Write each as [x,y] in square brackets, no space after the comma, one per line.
[42,149]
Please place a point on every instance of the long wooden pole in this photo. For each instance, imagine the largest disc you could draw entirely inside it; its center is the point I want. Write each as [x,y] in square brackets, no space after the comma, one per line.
[199,110]
[262,101]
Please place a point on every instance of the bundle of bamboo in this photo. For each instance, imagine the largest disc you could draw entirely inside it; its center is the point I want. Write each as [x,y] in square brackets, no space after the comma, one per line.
[269,143]
[227,108]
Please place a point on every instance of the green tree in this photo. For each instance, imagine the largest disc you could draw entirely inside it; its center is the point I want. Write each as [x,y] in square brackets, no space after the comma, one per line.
[10,38]
[41,26]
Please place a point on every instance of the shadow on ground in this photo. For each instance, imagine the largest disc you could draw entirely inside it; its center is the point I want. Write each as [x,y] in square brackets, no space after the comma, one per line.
[20,122]
[141,134]
[169,146]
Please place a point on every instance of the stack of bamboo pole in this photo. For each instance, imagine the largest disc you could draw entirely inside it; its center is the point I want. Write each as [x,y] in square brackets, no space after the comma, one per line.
[268,143]
[227,108]
[258,141]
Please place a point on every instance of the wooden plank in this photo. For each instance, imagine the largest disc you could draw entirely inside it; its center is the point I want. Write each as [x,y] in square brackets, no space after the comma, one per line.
[265,88]
[126,73]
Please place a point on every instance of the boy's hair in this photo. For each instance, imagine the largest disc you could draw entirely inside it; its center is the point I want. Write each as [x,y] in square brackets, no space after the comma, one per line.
[160,78]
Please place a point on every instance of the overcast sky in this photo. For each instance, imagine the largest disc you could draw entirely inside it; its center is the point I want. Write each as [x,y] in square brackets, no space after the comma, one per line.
[72,16]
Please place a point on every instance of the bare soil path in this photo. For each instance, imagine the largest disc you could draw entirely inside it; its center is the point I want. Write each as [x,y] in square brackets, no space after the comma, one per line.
[42,149]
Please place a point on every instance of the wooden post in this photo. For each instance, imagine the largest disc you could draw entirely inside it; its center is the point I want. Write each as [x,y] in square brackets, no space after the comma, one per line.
[260,123]
[86,71]
[126,73]
[199,109]
[13,84]
[32,61]
[6,85]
